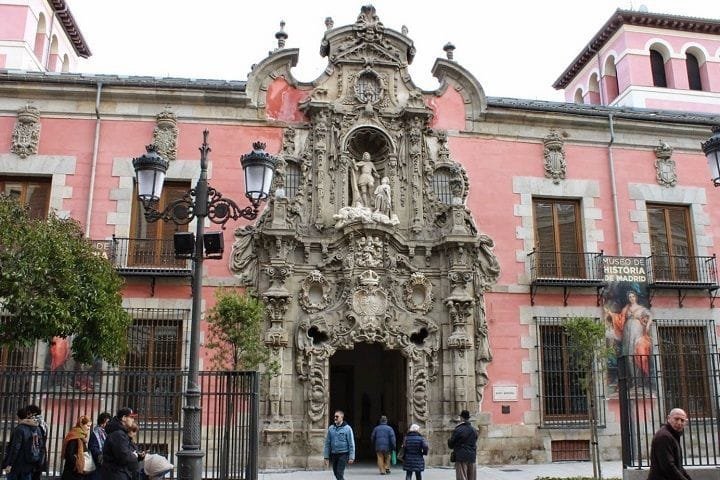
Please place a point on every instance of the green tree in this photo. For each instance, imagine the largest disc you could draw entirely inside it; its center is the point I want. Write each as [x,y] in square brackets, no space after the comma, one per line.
[53,283]
[589,353]
[235,333]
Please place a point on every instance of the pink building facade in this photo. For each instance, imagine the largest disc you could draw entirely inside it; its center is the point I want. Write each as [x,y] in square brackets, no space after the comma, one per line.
[506,218]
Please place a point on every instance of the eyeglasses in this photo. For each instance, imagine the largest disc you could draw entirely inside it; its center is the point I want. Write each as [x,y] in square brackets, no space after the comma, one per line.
[336,416]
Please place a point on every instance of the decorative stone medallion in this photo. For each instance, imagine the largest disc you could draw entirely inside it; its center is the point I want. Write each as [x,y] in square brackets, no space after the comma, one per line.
[314,292]
[418,293]
[665,168]
[554,154]
[26,135]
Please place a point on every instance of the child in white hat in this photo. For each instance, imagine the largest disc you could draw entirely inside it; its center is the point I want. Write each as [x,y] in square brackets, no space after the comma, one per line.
[157,466]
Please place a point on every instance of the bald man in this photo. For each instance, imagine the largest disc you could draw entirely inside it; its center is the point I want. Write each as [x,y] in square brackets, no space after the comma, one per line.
[665,454]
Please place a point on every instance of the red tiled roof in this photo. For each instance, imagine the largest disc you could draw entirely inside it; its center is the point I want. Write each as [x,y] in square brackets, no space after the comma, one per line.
[67,21]
[632,17]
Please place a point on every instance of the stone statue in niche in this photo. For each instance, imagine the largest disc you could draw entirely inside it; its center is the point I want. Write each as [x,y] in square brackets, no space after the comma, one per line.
[364,174]
[383,203]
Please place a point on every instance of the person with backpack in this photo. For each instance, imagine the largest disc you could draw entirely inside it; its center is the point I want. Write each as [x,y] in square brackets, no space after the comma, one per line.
[34,412]
[74,448]
[26,451]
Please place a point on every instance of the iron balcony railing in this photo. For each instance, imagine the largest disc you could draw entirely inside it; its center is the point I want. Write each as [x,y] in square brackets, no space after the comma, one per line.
[682,270]
[142,256]
[565,268]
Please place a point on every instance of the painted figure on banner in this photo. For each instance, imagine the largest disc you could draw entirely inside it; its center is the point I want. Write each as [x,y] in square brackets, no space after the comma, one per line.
[629,329]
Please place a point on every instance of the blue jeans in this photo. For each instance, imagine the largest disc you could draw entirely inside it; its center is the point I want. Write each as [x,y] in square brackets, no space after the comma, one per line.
[339,461]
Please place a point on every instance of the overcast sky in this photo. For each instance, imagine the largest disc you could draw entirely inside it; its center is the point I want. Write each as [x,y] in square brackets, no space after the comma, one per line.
[515,48]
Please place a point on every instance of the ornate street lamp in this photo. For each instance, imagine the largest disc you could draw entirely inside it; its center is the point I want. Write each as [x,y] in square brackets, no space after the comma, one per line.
[200,203]
[711,148]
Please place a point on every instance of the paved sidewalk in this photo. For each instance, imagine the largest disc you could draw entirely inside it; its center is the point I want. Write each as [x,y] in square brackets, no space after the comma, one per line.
[366,471]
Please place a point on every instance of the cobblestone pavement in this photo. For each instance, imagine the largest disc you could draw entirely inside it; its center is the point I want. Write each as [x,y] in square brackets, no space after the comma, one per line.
[366,471]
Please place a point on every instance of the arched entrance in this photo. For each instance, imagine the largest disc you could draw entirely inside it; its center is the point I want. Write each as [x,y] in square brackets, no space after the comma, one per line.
[367,382]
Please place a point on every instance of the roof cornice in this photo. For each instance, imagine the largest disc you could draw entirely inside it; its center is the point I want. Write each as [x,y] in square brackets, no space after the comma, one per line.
[633,17]
[68,23]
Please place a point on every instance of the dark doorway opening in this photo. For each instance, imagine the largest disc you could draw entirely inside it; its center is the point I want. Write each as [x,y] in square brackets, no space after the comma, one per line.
[365,383]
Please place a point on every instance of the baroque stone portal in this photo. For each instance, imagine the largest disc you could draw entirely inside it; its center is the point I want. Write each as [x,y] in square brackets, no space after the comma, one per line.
[369,227]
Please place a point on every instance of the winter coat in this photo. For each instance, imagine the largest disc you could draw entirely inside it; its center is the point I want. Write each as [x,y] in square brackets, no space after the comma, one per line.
[339,439]
[415,447]
[120,461]
[383,438]
[69,461]
[463,441]
[17,452]
[666,457]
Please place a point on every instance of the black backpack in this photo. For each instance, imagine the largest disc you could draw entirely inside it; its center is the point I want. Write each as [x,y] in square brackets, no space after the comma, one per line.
[36,448]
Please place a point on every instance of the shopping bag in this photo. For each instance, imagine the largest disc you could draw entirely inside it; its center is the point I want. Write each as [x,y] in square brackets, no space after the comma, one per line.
[393,458]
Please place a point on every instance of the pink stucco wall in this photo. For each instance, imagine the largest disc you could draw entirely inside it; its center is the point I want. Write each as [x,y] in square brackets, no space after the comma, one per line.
[282,100]
[12,26]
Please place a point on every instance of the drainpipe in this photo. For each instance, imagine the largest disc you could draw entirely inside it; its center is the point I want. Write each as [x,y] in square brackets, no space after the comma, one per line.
[96,142]
[613,184]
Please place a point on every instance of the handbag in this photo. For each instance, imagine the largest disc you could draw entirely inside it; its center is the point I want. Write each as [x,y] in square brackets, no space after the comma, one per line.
[88,463]
[393,457]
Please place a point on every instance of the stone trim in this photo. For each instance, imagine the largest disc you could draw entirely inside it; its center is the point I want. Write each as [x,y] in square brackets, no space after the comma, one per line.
[694,197]
[57,166]
[123,194]
[528,187]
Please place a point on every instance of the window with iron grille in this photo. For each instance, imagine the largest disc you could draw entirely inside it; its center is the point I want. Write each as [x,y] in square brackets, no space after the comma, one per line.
[441,185]
[151,244]
[153,360]
[671,243]
[563,400]
[292,179]
[14,359]
[558,238]
[685,360]
[33,192]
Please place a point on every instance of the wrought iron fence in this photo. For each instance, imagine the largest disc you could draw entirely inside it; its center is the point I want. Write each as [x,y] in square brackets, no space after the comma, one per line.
[687,380]
[229,412]
[550,266]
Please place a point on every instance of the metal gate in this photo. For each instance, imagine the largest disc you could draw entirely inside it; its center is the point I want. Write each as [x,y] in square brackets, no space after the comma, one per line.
[229,402]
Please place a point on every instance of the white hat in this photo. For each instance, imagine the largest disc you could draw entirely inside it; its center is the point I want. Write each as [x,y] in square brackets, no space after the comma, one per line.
[414,427]
[157,466]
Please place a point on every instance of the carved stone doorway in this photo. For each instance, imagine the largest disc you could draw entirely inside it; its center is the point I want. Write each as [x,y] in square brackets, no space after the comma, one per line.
[365,383]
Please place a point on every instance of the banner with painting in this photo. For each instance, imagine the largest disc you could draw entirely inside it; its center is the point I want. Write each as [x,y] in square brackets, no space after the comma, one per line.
[628,318]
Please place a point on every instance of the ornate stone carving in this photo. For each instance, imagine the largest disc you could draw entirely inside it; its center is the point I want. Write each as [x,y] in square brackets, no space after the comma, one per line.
[165,134]
[665,168]
[368,252]
[418,293]
[314,292]
[368,87]
[243,261]
[554,154]
[459,305]
[26,134]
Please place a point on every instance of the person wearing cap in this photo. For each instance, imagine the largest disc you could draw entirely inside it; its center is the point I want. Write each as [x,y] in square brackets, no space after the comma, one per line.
[383,439]
[416,447]
[463,441]
[120,460]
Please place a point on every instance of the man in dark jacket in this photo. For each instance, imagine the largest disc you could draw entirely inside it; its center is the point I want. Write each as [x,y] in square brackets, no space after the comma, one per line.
[26,451]
[383,439]
[665,455]
[463,441]
[119,458]
[96,442]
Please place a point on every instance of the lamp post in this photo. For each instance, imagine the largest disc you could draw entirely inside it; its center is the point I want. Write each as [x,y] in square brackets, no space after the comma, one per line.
[199,203]
[711,148]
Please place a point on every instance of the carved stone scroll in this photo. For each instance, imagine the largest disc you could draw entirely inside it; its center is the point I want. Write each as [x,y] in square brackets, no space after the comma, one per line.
[165,135]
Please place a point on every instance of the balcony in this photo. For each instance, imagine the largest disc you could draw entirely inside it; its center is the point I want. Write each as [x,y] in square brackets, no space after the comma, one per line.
[566,270]
[683,273]
[143,257]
